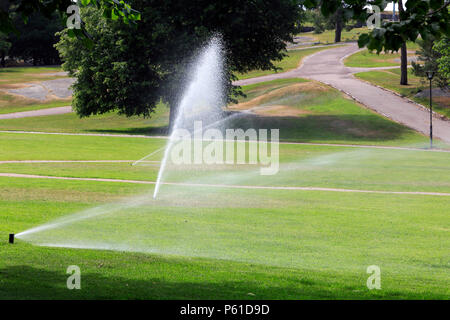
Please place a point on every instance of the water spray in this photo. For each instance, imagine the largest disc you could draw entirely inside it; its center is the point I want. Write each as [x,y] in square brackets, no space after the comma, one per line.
[202,99]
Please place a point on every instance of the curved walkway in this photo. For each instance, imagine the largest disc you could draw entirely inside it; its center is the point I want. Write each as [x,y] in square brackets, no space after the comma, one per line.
[327,67]
[36,113]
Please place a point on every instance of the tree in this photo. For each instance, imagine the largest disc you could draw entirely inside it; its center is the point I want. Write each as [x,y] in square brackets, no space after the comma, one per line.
[404,51]
[318,22]
[443,48]
[112,9]
[422,18]
[432,56]
[130,67]
[37,39]
[5,45]
[339,16]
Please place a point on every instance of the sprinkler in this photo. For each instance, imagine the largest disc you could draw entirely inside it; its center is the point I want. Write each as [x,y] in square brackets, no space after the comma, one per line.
[11,238]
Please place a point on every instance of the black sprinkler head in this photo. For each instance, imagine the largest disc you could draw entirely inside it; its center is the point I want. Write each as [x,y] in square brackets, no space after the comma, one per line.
[11,238]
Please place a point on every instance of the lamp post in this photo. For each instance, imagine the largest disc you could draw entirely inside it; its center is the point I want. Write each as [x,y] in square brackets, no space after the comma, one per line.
[430,75]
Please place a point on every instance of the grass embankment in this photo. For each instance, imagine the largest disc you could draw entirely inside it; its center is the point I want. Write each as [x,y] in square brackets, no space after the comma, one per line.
[366,59]
[291,61]
[12,78]
[313,112]
[106,123]
[390,79]
[327,36]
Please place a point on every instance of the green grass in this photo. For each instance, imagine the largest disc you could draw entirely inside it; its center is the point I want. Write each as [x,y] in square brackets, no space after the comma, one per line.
[106,123]
[291,61]
[327,36]
[223,243]
[14,106]
[390,79]
[27,74]
[366,59]
[325,166]
[325,116]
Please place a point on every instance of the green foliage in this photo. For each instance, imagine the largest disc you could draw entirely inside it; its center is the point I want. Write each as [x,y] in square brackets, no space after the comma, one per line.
[112,9]
[319,22]
[422,18]
[37,39]
[130,67]
[432,56]
[443,62]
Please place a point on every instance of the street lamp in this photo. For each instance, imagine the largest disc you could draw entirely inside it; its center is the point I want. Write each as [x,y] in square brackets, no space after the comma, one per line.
[430,75]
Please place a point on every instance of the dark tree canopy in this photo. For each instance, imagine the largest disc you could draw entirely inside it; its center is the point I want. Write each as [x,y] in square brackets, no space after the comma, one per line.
[37,39]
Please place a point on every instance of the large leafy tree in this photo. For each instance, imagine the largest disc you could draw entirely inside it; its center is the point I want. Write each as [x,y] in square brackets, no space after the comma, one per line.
[418,18]
[130,67]
[443,62]
[434,56]
[9,9]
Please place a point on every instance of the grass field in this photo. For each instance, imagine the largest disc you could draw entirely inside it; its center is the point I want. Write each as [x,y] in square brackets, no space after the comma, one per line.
[366,59]
[390,79]
[208,242]
[327,36]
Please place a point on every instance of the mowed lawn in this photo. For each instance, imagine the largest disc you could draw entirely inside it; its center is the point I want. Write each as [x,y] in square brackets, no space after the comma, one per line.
[208,242]
[367,59]
[226,243]
[390,79]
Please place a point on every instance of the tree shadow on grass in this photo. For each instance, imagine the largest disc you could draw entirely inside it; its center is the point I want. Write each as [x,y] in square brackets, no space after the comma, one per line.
[149,131]
[307,128]
[25,282]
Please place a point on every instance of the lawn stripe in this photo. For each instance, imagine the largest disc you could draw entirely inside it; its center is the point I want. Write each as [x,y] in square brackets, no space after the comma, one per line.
[19,175]
[73,161]
[286,143]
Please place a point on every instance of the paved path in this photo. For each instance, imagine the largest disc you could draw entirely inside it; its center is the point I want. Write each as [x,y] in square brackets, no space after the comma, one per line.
[327,67]
[36,113]
[32,176]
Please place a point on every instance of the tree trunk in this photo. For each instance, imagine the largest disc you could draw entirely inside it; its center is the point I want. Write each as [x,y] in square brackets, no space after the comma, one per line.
[339,23]
[3,63]
[404,53]
[404,65]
